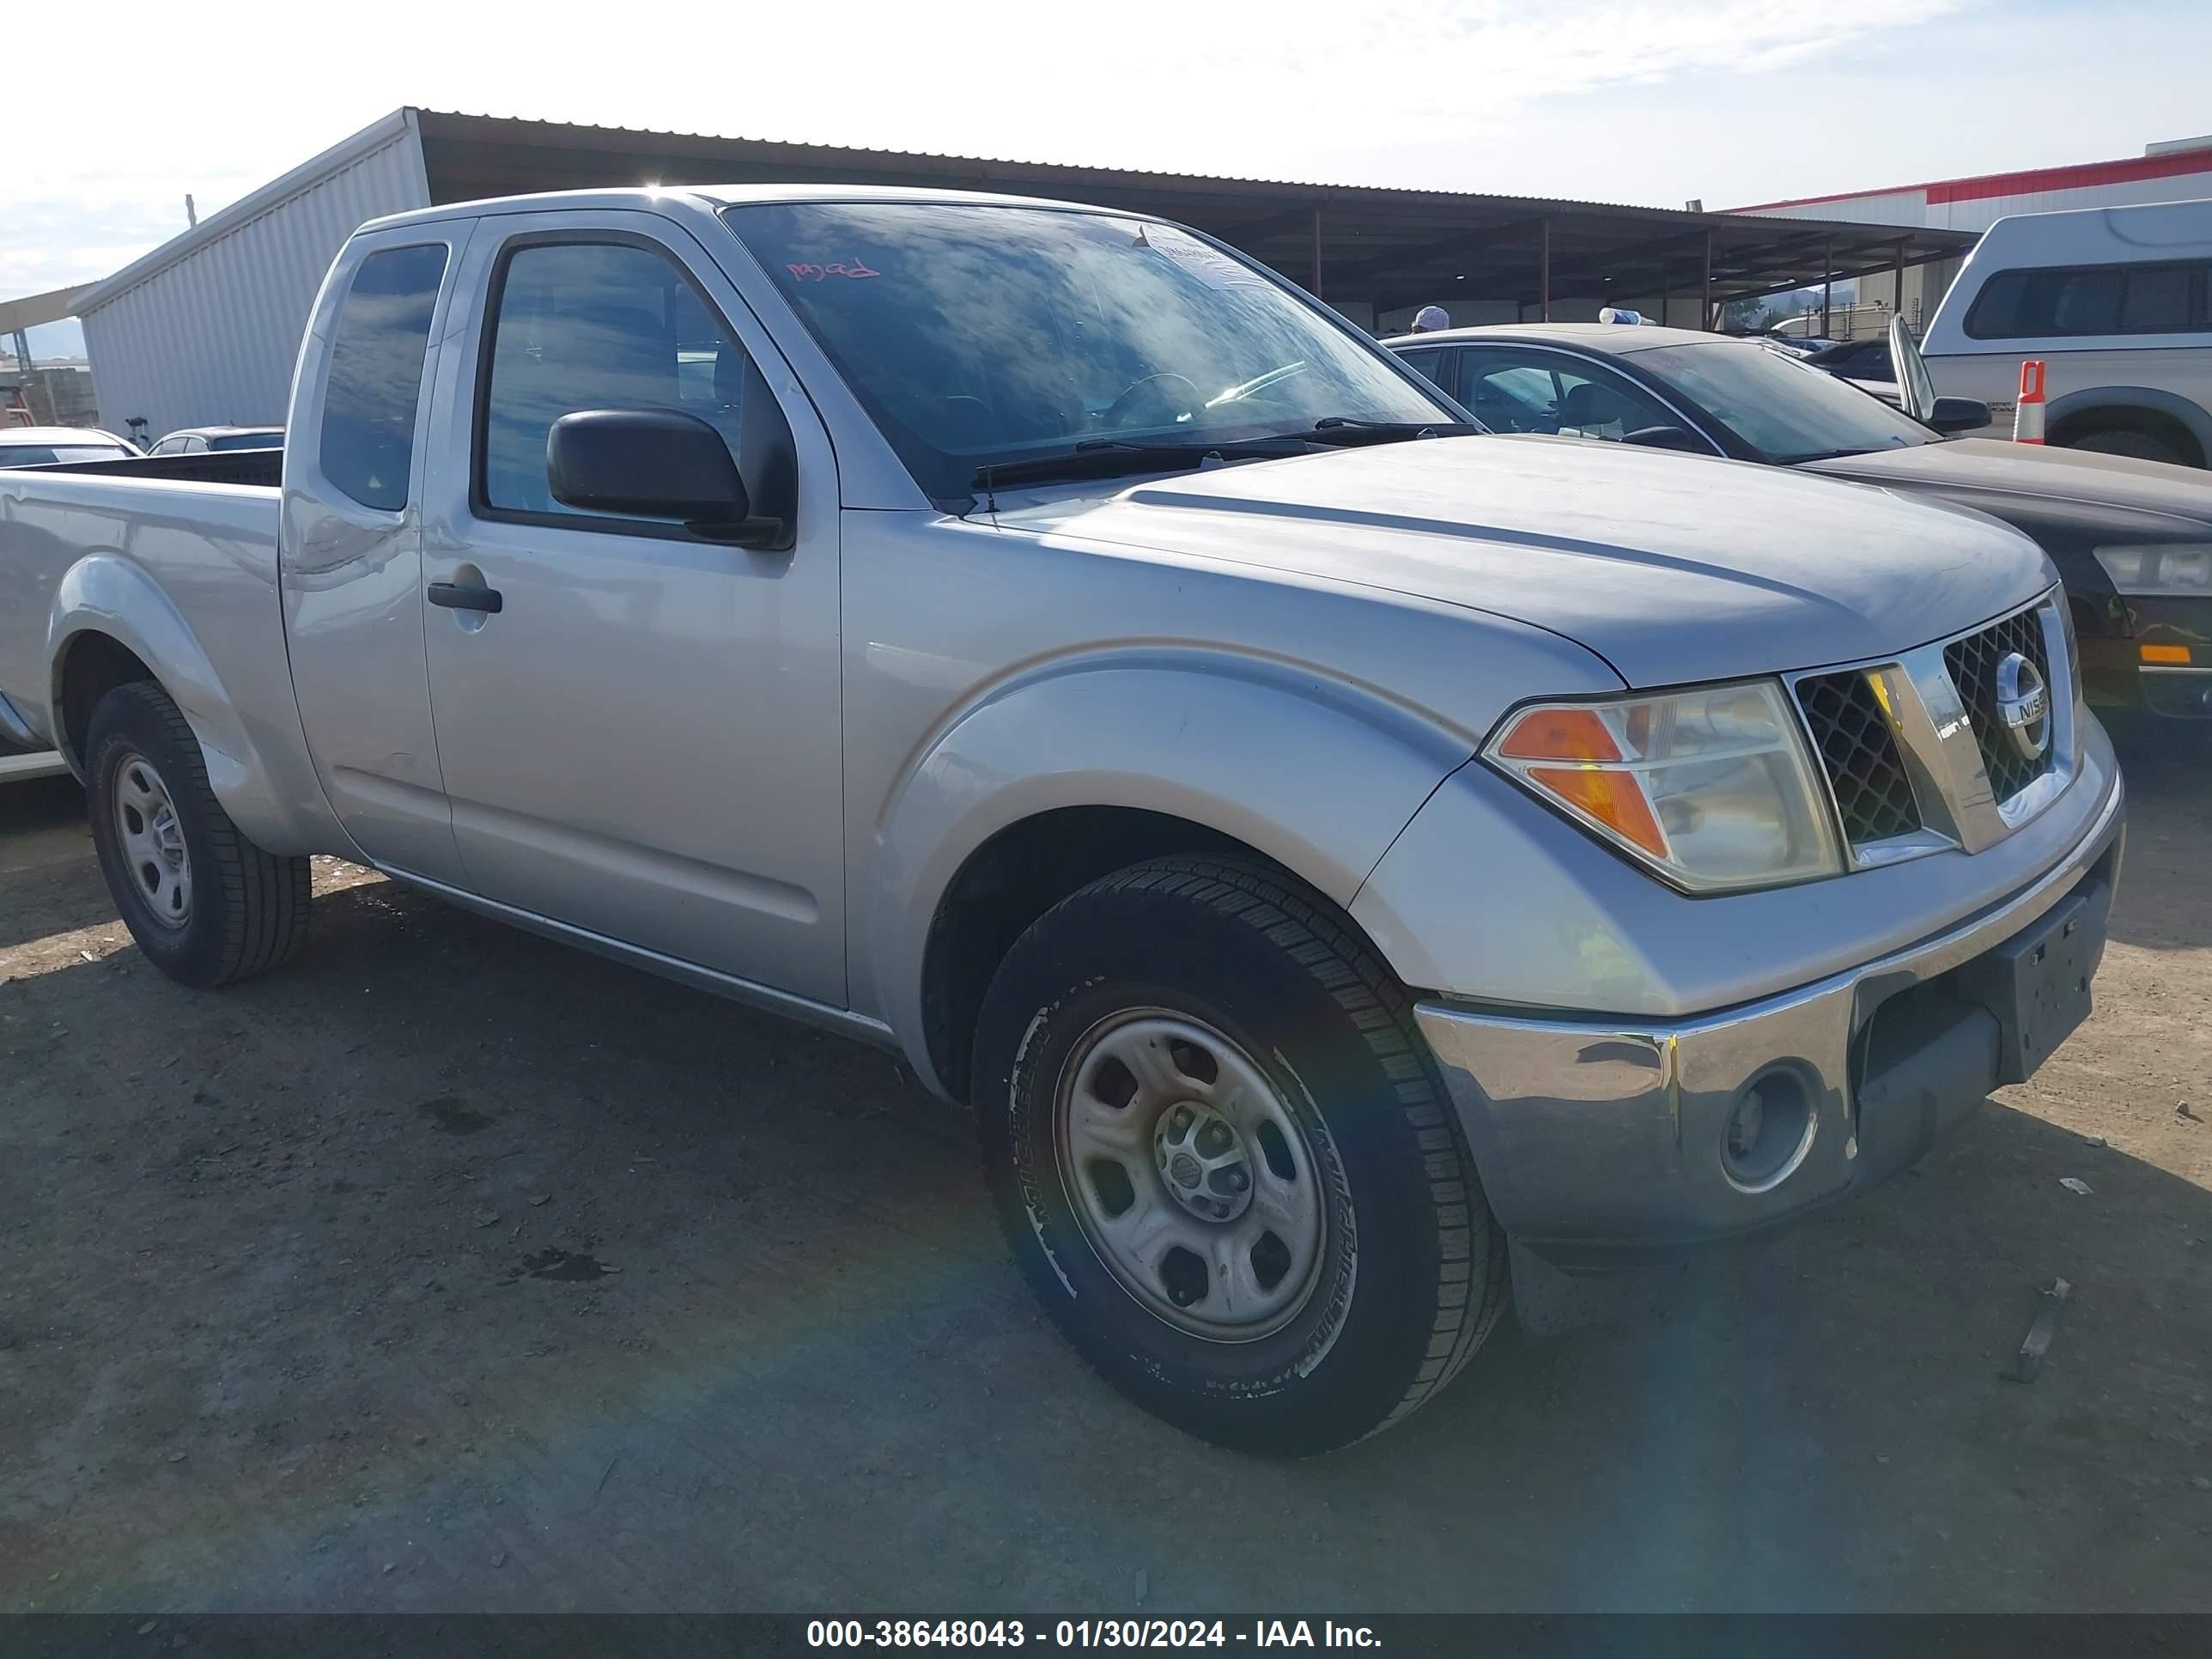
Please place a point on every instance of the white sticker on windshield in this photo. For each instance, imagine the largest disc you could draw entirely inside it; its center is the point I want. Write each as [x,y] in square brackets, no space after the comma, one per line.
[1208,263]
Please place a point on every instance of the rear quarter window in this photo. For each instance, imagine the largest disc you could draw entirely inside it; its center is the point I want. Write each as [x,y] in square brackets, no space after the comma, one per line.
[377,351]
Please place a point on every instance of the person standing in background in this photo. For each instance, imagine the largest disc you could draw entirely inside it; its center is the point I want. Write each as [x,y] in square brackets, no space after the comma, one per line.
[1431,319]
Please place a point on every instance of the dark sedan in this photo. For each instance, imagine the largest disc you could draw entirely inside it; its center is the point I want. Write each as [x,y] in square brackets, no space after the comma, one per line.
[2132,539]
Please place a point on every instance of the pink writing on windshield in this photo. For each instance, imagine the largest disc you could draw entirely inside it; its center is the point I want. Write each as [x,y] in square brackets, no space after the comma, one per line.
[809,273]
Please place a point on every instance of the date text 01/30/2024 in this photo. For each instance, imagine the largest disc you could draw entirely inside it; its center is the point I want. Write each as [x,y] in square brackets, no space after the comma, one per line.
[1086,1633]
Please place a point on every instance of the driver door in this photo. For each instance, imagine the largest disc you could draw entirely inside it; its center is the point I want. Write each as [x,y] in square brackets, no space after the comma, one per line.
[641,741]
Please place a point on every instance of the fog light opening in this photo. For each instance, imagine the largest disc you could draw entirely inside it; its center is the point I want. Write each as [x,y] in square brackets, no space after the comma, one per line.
[1768,1131]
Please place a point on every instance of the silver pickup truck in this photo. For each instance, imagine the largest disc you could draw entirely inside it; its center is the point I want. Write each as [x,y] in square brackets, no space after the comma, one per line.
[1350,865]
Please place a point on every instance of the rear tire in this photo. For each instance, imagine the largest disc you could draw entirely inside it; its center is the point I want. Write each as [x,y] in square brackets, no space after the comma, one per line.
[2133,442]
[204,903]
[1328,1263]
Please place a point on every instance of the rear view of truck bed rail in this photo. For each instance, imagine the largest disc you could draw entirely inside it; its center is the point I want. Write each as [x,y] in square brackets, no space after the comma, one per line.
[261,467]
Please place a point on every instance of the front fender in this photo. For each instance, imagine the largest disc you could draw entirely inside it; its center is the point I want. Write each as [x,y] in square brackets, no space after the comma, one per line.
[108,593]
[1315,773]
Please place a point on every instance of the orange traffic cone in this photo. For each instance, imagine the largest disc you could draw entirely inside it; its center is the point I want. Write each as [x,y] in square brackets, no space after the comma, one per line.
[2027,413]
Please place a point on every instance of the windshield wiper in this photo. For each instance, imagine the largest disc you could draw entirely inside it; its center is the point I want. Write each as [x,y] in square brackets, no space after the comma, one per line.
[1351,429]
[1840,454]
[1112,457]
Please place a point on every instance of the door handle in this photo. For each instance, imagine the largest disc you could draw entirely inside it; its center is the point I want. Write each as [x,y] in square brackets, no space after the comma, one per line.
[452,596]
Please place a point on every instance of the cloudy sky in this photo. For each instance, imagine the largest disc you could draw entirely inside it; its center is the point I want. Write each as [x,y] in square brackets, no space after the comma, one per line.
[1608,99]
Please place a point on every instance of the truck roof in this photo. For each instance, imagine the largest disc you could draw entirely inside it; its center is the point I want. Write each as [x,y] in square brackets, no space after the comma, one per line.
[711,197]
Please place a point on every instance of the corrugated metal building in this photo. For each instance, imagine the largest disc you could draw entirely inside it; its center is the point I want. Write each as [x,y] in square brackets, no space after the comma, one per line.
[2179,171]
[203,330]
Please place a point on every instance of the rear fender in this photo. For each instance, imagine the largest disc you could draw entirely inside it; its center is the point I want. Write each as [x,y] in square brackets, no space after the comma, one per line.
[106,593]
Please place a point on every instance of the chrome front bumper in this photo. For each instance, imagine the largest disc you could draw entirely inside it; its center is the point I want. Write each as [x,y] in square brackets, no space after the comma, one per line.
[1601,1143]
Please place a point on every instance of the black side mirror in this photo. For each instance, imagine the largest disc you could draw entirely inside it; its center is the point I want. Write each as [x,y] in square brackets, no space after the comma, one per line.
[1959,414]
[1666,437]
[653,464]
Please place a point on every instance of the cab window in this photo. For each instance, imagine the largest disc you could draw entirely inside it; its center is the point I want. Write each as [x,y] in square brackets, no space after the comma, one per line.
[598,325]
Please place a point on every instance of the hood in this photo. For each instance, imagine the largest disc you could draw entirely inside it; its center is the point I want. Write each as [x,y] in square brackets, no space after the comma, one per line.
[1673,568]
[1998,467]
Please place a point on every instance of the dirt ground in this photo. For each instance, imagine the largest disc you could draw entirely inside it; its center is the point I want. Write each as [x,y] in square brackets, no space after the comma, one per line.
[456,1270]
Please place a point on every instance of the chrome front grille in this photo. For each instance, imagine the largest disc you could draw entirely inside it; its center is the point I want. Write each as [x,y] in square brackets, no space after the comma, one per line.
[1973,662]
[1859,752]
[1917,752]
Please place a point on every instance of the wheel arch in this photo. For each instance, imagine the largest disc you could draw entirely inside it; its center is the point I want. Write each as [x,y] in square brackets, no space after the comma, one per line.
[2145,409]
[110,624]
[987,832]
[91,663]
[1014,877]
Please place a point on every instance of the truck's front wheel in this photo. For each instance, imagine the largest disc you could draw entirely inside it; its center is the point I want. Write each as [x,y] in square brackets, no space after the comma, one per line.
[1225,1163]
[204,903]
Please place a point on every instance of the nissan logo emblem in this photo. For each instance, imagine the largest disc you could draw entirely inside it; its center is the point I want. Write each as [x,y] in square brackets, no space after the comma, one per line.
[2024,705]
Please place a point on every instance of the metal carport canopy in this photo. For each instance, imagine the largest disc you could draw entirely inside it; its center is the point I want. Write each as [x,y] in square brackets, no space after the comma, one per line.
[1388,248]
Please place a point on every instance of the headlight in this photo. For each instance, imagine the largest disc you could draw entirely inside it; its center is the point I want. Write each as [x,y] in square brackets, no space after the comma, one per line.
[1713,788]
[2172,570]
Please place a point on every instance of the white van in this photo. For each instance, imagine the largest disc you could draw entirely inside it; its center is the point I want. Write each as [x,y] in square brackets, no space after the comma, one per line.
[2114,301]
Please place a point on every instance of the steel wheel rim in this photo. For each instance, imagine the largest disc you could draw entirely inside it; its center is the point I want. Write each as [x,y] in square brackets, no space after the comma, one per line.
[152,841]
[1191,1178]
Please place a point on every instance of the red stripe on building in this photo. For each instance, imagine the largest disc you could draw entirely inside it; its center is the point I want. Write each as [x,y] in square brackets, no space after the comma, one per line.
[2128,170]
[2081,178]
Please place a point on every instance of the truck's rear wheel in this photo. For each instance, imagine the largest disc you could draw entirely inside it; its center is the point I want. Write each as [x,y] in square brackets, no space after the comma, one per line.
[1223,1158]
[204,903]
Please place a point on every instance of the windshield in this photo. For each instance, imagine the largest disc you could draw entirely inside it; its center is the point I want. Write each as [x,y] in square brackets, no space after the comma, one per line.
[1786,410]
[248,440]
[55,454]
[978,336]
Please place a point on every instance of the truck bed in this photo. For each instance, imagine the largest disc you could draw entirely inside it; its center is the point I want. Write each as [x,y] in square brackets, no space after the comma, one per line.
[260,468]
[80,545]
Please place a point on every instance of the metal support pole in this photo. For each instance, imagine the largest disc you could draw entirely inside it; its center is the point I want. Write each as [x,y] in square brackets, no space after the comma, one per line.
[1544,275]
[1897,293]
[1666,298]
[1316,253]
[1705,318]
[1827,283]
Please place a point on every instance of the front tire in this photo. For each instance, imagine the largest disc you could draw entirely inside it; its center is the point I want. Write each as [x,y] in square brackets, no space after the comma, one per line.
[1223,1159]
[204,903]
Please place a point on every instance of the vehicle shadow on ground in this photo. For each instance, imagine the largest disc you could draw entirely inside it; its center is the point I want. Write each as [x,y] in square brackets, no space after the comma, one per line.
[1831,1419]
[2168,767]
[45,850]
[458,1269]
